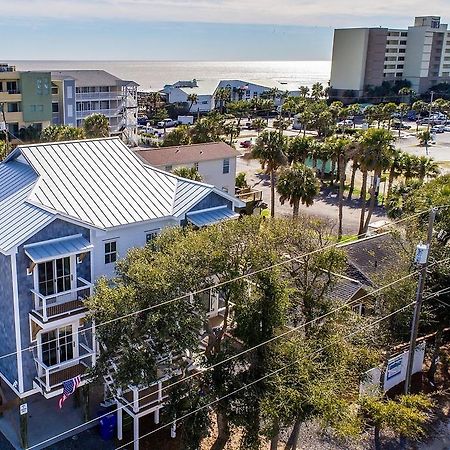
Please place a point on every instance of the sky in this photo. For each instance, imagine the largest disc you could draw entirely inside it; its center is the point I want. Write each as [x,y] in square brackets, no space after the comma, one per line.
[192,29]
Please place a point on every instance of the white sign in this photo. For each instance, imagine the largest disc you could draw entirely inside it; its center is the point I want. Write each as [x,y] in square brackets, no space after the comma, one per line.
[396,367]
[23,409]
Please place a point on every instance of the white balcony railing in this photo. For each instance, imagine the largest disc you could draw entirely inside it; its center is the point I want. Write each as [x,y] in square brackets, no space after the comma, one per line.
[99,96]
[51,377]
[49,307]
[106,112]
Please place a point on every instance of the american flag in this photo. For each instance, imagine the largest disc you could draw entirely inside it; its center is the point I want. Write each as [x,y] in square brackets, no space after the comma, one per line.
[69,388]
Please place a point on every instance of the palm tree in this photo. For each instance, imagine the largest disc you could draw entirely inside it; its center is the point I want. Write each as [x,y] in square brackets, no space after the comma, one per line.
[304,91]
[270,150]
[192,98]
[258,125]
[402,109]
[427,168]
[232,130]
[376,146]
[298,149]
[407,92]
[388,110]
[190,173]
[343,150]
[410,166]
[419,107]
[324,153]
[96,126]
[396,166]
[317,91]
[297,184]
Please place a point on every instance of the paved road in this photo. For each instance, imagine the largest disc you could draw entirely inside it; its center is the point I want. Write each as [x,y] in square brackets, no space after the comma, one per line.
[324,207]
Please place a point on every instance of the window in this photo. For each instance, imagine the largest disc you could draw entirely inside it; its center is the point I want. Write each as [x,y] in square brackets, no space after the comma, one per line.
[39,88]
[69,110]
[402,42]
[399,74]
[104,88]
[69,92]
[13,107]
[392,42]
[404,34]
[54,276]
[391,50]
[150,235]
[110,252]
[390,58]
[57,346]
[402,50]
[400,66]
[13,128]
[401,58]
[104,104]
[11,87]
[226,165]
[54,89]
[55,107]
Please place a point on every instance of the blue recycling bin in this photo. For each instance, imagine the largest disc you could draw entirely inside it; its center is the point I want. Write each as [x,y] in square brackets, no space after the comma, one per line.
[108,425]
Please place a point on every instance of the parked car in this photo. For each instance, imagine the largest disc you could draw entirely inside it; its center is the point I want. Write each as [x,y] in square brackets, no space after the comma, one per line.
[446,127]
[167,123]
[437,129]
[400,126]
[142,120]
[246,144]
[345,123]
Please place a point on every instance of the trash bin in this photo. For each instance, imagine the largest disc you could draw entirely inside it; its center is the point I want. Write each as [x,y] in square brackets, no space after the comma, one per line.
[108,425]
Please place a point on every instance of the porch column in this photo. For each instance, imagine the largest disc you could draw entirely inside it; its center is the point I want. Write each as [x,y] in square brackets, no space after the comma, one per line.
[94,349]
[119,421]
[157,416]
[136,432]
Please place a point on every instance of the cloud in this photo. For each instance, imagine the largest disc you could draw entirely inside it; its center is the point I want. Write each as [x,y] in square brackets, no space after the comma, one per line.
[326,13]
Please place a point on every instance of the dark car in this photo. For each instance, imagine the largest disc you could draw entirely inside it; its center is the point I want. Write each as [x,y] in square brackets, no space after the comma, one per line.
[400,126]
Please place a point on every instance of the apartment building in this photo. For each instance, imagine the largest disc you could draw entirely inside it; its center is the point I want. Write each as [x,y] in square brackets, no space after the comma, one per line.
[25,100]
[365,57]
[76,94]
[68,212]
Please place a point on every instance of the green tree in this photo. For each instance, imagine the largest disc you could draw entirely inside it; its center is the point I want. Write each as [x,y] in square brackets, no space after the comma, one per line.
[259,125]
[396,165]
[192,99]
[55,133]
[298,148]
[297,184]
[419,107]
[377,148]
[270,149]
[96,126]
[3,150]
[388,111]
[424,137]
[181,135]
[241,180]
[406,417]
[191,173]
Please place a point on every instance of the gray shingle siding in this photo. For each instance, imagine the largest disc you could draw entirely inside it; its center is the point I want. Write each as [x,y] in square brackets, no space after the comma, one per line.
[8,366]
[57,229]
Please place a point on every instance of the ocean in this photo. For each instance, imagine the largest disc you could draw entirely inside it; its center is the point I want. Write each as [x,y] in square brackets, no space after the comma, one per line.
[153,75]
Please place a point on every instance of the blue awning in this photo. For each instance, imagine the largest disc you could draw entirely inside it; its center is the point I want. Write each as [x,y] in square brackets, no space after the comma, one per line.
[211,216]
[58,248]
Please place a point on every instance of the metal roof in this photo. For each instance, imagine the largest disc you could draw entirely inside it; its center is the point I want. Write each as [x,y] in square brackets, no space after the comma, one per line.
[98,182]
[211,216]
[60,248]
[102,183]
[18,219]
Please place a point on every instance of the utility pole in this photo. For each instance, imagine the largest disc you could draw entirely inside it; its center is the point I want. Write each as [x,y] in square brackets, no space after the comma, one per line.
[429,123]
[422,256]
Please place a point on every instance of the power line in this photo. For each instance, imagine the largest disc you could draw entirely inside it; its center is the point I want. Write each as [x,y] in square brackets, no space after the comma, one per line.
[241,353]
[223,283]
[261,379]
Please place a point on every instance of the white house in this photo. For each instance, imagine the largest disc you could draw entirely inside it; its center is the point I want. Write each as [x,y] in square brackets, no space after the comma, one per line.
[214,161]
[68,212]
[206,91]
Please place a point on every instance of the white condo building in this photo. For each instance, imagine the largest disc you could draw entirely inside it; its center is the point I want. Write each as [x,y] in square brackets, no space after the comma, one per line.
[79,93]
[365,57]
